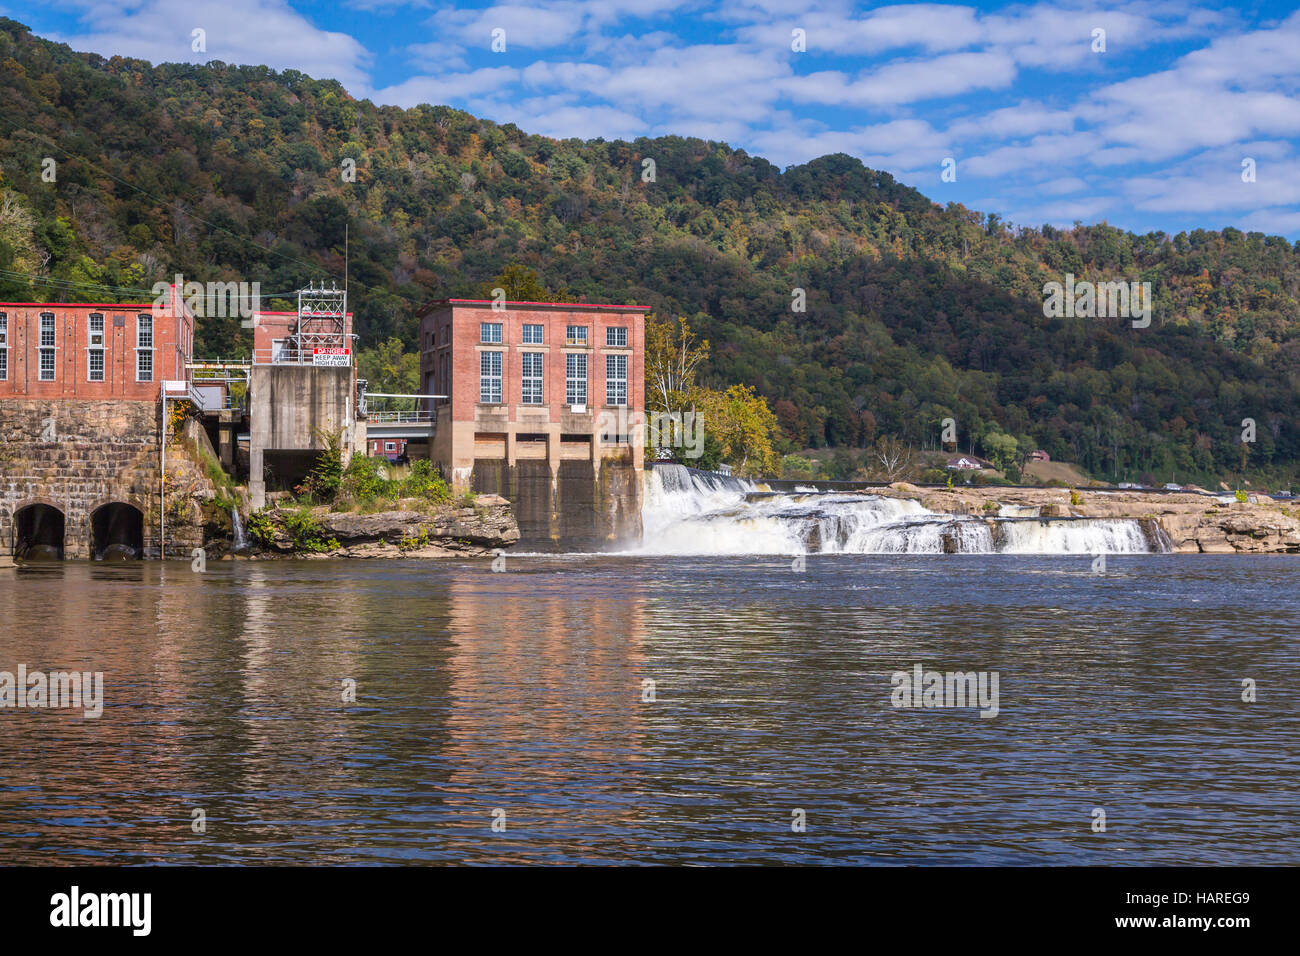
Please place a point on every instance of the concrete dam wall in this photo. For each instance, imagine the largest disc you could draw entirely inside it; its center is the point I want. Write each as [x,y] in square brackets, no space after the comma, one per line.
[584,506]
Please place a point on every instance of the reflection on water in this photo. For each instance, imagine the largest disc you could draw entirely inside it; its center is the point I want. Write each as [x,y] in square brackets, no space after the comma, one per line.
[522,692]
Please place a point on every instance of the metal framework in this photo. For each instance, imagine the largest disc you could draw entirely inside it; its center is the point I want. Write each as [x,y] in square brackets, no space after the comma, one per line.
[321,321]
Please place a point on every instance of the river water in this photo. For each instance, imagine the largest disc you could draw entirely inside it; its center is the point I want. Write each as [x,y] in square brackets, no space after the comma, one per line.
[521,693]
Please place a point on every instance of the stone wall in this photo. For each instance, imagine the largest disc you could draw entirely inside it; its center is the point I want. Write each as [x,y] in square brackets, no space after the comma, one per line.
[77,456]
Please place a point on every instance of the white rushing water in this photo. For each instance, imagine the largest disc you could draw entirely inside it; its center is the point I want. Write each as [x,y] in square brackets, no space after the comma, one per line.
[691,512]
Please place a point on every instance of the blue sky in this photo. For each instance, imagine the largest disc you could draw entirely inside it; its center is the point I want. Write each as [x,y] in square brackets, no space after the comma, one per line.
[1150,133]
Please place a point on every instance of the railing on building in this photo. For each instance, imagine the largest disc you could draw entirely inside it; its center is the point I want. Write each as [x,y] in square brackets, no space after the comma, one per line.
[288,356]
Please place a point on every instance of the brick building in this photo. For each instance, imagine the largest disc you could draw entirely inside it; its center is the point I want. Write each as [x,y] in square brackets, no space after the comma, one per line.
[93,351]
[542,402]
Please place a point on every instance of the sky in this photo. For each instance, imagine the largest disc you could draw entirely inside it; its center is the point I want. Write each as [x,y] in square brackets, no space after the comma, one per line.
[1147,115]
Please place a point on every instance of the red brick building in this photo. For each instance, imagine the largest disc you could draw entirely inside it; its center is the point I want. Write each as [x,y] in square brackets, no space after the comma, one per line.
[90,351]
[533,380]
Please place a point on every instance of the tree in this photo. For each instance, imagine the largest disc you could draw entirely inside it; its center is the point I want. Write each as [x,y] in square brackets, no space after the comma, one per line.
[389,368]
[894,457]
[672,357]
[520,284]
[743,424]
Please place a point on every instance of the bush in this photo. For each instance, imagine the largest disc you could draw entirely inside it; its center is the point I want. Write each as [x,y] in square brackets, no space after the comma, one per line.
[308,535]
[935,476]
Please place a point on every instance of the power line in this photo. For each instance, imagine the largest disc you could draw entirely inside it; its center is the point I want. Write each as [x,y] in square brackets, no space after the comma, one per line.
[39,135]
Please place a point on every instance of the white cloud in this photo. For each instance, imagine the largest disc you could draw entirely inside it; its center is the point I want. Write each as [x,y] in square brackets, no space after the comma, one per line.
[257,32]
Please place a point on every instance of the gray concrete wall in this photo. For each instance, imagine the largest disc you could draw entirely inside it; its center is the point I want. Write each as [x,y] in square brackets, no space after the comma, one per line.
[576,508]
[289,407]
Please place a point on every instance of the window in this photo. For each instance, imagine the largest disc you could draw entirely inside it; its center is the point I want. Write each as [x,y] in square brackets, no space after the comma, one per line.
[532,335]
[532,378]
[47,347]
[575,335]
[575,378]
[390,446]
[490,332]
[616,336]
[144,348]
[95,352]
[615,379]
[4,346]
[489,378]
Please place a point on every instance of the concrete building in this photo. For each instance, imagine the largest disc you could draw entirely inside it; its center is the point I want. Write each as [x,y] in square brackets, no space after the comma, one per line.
[302,386]
[541,405]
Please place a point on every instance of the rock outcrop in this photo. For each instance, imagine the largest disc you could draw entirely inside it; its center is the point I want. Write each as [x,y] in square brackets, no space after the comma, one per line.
[1193,523]
[412,532]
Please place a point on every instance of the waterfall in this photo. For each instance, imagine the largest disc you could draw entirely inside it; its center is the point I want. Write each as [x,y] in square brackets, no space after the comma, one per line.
[686,511]
[241,539]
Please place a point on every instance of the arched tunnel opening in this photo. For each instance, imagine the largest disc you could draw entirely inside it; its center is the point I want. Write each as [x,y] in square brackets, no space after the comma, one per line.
[38,533]
[116,532]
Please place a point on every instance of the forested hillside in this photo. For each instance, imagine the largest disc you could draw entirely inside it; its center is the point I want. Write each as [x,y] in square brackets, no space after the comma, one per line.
[915,312]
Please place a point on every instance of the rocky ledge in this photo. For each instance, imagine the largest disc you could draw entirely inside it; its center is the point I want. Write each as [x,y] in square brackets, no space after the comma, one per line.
[1194,523]
[408,533]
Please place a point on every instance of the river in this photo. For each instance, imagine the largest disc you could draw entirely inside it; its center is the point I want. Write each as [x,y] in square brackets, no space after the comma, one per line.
[519,698]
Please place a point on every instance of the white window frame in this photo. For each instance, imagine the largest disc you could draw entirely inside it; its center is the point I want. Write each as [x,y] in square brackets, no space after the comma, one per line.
[48,350]
[615,380]
[530,391]
[489,377]
[143,351]
[575,381]
[616,336]
[533,334]
[390,446]
[95,346]
[489,333]
[575,335]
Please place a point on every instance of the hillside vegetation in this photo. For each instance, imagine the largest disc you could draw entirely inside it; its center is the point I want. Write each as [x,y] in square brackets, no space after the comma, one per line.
[915,312]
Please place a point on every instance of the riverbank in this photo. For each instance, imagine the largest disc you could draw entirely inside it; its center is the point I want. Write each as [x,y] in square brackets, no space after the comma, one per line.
[1193,523]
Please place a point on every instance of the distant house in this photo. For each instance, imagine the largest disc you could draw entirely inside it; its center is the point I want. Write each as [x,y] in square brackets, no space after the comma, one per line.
[964,464]
[391,448]
[1039,455]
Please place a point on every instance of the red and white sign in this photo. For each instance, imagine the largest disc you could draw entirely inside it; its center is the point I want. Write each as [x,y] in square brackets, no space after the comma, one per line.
[338,358]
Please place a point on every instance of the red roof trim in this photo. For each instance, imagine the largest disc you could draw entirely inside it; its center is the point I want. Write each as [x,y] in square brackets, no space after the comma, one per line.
[544,305]
[81,305]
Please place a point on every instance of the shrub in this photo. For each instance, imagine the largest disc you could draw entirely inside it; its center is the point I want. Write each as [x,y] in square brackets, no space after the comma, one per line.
[326,476]
[308,535]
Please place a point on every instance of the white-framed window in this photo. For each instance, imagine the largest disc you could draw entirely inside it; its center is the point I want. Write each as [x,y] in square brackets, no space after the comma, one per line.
[390,446]
[144,347]
[532,334]
[4,346]
[575,378]
[489,333]
[615,379]
[532,378]
[47,348]
[95,347]
[489,378]
[575,335]
[616,336]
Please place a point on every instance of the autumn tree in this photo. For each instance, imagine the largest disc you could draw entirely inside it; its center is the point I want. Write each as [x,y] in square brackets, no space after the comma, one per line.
[672,357]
